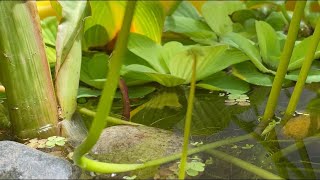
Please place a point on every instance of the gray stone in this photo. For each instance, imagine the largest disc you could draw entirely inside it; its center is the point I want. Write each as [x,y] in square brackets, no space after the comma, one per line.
[18,161]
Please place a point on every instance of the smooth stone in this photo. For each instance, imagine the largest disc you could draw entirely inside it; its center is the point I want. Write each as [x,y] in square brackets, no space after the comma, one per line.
[18,161]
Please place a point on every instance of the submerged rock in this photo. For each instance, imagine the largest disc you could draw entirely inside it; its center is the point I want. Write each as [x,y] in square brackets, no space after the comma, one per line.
[135,144]
[18,161]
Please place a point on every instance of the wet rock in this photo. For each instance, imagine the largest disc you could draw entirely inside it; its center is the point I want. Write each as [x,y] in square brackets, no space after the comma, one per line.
[18,161]
[135,144]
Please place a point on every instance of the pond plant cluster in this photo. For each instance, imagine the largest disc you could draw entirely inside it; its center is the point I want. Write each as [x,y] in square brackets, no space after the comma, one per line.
[112,60]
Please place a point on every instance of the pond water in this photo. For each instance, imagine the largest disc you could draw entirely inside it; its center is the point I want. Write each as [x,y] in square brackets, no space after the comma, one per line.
[215,118]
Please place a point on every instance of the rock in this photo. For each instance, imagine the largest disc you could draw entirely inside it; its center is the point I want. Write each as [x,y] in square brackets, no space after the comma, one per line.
[18,161]
[135,144]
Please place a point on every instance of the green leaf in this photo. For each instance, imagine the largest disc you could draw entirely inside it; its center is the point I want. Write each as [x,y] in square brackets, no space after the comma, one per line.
[192,172]
[50,144]
[186,9]
[246,46]
[180,65]
[148,20]
[93,68]
[60,143]
[220,81]
[269,44]
[87,92]
[276,20]
[249,73]
[148,50]
[68,47]
[313,75]
[195,29]
[52,138]
[70,27]
[299,52]
[216,14]
[49,27]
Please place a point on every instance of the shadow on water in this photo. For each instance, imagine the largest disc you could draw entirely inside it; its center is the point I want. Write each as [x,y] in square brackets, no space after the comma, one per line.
[292,153]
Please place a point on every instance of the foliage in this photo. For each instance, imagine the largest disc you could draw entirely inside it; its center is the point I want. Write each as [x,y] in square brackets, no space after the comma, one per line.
[50,142]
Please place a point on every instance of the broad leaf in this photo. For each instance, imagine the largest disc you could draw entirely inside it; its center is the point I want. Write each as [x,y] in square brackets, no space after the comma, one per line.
[299,53]
[222,82]
[249,73]
[92,68]
[145,73]
[216,14]
[180,65]
[148,50]
[269,44]
[247,47]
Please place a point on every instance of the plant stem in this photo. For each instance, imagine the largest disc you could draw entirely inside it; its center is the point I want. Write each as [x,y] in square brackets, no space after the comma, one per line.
[244,165]
[283,65]
[109,118]
[295,96]
[109,89]
[188,118]
[101,167]
[125,99]
[284,12]
[25,72]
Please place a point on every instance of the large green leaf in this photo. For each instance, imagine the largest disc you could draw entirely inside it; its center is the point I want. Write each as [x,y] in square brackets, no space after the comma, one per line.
[220,81]
[216,14]
[249,73]
[269,44]
[299,52]
[180,65]
[93,68]
[247,47]
[148,50]
[145,73]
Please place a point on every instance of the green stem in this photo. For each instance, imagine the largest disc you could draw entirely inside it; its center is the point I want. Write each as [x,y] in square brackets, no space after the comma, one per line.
[283,65]
[284,12]
[188,118]
[109,89]
[244,165]
[295,96]
[109,118]
[101,167]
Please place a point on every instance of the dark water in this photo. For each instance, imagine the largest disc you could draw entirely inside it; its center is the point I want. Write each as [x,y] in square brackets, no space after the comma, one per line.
[213,121]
